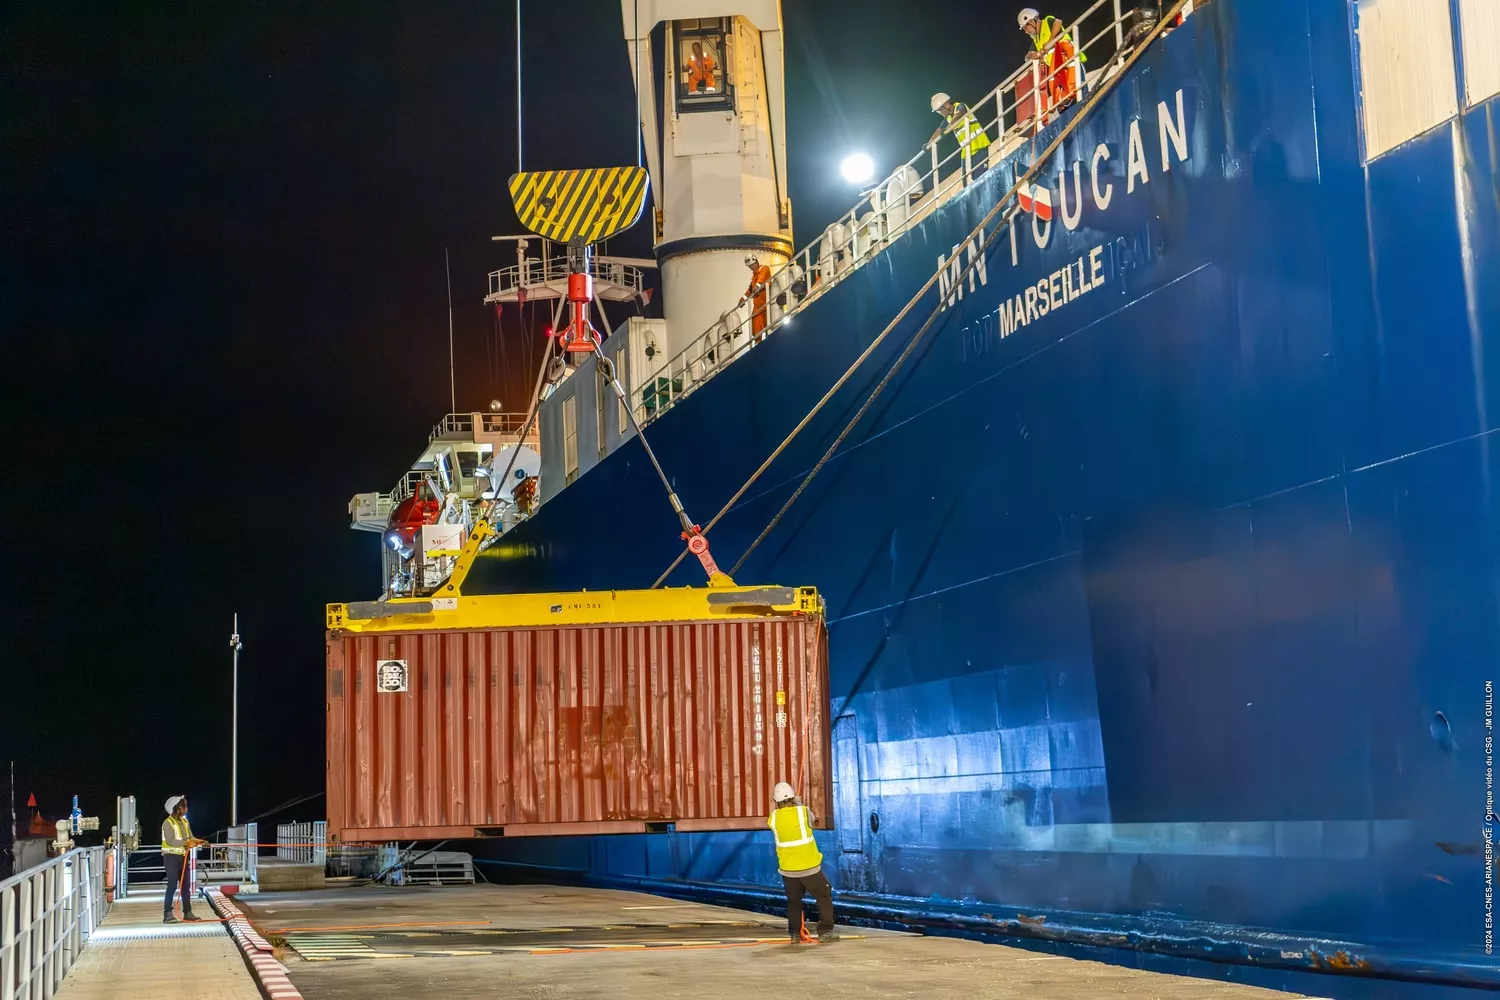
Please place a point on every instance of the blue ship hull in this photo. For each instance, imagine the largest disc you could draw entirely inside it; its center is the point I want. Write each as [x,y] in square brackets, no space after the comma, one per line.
[1173,606]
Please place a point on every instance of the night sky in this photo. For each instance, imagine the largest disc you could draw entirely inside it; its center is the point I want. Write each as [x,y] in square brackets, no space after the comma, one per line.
[225,314]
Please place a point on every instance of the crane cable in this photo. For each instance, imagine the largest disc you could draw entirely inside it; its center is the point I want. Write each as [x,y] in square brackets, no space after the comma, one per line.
[976,233]
[606,370]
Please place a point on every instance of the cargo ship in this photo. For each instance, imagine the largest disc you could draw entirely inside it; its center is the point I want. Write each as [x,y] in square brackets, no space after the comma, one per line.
[1141,458]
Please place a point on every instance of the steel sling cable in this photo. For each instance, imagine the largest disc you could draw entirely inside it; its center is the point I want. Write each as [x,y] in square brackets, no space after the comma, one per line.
[531,415]
[1104,88]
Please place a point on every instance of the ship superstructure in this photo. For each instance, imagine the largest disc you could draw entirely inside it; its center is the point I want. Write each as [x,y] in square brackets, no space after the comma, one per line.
[719,198]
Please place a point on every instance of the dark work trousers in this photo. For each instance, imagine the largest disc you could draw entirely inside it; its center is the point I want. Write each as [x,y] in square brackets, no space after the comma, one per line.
[174,863]
[815,885]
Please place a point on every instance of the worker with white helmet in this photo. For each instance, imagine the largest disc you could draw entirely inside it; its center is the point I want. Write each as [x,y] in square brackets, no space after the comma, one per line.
[1054,47]
[176,841]
[972,140]
[760,280]
[800,863]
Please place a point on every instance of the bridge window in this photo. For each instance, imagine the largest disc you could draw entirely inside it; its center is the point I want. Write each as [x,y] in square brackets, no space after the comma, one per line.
[1405,68]
[702,64]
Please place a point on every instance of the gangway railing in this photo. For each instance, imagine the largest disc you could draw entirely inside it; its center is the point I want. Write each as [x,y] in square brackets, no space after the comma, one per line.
[47,915]
[1013,113]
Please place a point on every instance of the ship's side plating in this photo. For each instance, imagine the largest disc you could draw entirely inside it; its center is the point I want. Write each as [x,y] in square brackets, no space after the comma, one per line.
[1176,598]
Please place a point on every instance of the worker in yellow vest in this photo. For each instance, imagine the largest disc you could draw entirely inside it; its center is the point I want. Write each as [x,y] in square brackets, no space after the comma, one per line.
[1054,47]
[800,864]
[176,841]
[973,143]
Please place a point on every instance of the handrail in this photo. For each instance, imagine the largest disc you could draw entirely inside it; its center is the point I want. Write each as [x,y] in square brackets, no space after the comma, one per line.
[455,423]
[305,843]
[47,915]
[895,206]
[555,270]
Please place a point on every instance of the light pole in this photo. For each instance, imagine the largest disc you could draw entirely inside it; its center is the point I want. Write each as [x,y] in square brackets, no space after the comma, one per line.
[234,729]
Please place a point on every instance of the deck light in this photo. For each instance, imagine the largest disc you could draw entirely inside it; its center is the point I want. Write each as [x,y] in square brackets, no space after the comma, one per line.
[858,168]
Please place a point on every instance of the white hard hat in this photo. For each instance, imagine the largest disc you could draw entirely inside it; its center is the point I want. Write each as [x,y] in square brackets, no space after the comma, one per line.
[783,792]
[939,99]
[1027,15]
[172,802]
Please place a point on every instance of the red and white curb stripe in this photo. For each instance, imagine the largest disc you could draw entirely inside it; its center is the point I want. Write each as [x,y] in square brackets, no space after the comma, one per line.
[270,973]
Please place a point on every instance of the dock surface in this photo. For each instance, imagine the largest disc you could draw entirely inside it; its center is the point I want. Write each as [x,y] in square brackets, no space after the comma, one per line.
[134,956]
[551,942]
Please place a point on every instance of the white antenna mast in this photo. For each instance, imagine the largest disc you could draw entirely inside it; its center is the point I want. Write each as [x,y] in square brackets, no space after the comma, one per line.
[452,391]
[234,738]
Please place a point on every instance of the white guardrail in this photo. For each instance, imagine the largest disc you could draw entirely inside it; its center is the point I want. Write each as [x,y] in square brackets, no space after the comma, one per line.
[1012,113]
[303,843]
[47,915]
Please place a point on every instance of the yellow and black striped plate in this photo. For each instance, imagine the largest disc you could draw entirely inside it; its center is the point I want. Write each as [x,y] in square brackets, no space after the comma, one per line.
[595,204]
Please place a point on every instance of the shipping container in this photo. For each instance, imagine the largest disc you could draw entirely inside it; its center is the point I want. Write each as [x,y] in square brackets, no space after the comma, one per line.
[576,729]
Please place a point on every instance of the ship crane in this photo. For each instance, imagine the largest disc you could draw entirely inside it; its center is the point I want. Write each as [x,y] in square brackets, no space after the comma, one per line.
[580,208]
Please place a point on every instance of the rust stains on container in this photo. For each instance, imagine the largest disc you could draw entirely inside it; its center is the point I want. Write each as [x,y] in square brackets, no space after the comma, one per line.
[582,729]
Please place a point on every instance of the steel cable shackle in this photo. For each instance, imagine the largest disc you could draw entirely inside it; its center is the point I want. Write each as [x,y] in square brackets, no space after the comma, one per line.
[977,233]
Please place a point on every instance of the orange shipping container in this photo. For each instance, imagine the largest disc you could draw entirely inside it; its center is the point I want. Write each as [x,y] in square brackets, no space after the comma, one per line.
[457,733]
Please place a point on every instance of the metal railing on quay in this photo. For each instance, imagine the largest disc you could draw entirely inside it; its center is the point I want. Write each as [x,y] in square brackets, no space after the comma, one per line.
[303,843]
[47,915]
[233,860]
[1014,112]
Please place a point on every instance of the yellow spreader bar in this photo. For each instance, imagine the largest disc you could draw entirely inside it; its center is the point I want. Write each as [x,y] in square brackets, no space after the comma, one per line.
[586,607]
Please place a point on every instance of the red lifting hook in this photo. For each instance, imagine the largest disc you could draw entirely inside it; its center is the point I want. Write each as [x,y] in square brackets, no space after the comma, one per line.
[698,546]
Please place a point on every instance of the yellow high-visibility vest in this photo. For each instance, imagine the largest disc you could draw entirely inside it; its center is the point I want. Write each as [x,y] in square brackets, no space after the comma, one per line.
[1045,35]
[796,851]
[183,831]
[971,138]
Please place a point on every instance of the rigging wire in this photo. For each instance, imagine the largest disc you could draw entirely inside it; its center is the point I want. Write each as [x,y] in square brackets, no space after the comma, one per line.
[531,415]
[603,364]
[975,234]
[502,353]
[528,332]
[489,353]
[640,135]
[518,86]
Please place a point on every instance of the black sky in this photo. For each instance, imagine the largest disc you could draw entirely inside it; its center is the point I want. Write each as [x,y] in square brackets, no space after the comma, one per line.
[225,313]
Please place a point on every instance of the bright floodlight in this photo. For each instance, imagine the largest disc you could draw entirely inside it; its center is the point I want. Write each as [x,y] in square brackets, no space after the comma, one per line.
[858,168]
